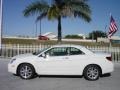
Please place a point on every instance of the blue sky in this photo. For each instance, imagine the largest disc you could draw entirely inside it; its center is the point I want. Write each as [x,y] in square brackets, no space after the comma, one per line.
[14,23]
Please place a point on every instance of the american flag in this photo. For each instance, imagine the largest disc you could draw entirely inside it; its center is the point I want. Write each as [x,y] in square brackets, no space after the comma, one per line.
[112,28]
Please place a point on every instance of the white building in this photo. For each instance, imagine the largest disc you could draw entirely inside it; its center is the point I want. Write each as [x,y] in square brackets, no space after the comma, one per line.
[115,39]
[82,35]
[50,35]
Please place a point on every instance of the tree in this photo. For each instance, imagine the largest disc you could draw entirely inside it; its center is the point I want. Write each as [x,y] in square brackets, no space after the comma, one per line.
[59,9]
[95,34]
[73,37]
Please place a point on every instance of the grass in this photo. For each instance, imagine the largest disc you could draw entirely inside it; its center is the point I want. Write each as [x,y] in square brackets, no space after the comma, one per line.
[33,41]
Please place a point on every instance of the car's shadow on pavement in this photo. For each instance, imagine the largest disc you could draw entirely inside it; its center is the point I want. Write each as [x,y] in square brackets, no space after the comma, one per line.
[68,76]
[65,76]
[106,75]
[60,76]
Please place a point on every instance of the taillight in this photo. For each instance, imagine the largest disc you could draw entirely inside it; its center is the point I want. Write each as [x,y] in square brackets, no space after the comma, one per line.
[109,58]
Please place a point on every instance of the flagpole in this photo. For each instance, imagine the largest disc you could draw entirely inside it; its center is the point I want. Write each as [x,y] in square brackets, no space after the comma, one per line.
[112,30]
[1,18]
[110,44]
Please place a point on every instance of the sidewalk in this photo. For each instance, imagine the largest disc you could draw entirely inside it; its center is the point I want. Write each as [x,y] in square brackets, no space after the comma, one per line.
[6,59]
[117,64]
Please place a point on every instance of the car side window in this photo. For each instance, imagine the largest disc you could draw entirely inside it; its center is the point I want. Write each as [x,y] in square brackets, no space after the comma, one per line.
[57,51]
[75,51]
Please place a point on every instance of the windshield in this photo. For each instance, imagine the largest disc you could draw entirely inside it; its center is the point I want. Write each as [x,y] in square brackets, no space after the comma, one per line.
[36,53]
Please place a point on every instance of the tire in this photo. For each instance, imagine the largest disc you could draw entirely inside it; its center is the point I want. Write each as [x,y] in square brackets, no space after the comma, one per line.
[91,72]
[26,71]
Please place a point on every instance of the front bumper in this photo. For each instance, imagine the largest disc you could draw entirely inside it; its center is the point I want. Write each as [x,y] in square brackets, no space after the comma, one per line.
[12,68]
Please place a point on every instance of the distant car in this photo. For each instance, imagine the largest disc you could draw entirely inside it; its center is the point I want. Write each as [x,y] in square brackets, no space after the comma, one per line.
[62,60]
[43,38]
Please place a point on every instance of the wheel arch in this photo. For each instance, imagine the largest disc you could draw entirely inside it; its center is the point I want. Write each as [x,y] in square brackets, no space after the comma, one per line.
[95,65]
[22,64]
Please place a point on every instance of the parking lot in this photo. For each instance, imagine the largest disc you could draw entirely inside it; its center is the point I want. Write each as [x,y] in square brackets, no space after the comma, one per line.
[11,82]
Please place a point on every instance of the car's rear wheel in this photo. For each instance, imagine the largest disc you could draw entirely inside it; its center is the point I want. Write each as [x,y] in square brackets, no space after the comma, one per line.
[26,71]
[92,72]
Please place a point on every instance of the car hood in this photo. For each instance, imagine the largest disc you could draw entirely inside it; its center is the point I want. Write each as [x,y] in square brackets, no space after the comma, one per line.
[23,56]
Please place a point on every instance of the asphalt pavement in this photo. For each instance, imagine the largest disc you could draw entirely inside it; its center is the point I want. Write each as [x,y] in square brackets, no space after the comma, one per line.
[10,82]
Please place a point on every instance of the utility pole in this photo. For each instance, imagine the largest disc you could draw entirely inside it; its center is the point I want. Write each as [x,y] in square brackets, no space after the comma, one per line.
[36,29]
[92,37]
[40,27]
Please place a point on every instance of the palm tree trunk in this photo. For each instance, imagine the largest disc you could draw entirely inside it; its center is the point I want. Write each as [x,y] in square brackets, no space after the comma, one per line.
[59,30]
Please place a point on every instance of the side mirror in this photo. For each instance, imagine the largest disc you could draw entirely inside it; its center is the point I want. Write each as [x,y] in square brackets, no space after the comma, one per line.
[45,55]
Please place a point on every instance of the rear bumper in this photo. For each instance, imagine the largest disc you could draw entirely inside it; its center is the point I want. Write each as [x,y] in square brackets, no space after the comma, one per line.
[108,68]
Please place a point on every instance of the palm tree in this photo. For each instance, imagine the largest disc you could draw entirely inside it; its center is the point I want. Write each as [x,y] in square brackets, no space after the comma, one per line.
[59,9]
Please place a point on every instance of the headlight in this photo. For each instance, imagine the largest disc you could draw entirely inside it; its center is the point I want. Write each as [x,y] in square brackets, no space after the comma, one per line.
[12,60]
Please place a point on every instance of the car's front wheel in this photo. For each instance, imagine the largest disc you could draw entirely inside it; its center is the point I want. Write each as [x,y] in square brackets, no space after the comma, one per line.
[92,72]
[26,71]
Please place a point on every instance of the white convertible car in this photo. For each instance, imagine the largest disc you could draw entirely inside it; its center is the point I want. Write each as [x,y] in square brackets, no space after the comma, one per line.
[62,60]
